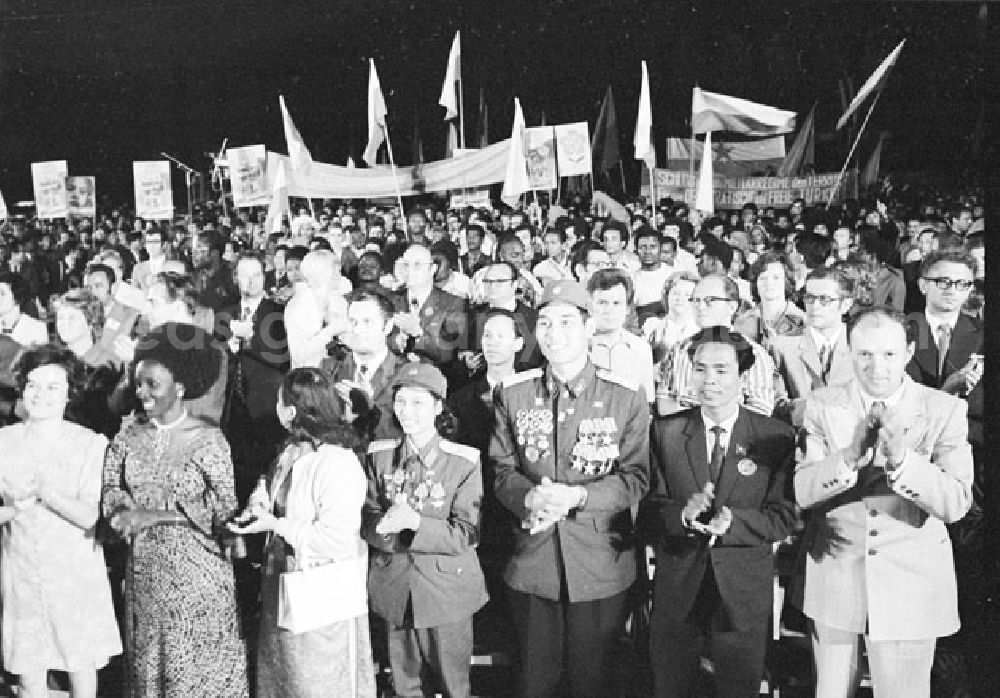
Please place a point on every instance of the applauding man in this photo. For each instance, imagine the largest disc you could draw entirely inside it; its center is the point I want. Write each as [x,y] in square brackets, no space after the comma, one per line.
[887,465]
[570,450]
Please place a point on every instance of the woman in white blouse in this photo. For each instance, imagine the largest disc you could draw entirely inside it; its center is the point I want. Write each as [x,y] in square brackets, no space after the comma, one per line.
[311,510]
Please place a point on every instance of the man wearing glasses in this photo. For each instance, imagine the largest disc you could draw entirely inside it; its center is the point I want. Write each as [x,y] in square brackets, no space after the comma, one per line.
[819,356]
[715,301]
[499,287]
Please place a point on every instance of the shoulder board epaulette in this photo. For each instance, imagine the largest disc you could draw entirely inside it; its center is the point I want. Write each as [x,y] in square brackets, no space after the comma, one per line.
[467,452]
[618,380]
[530,374]
[382,445]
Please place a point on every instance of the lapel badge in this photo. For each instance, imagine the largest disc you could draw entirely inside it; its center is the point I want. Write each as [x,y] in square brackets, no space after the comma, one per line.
[531,453]
[746,467]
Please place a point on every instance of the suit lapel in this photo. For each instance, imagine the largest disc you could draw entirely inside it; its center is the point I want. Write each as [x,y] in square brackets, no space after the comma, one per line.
[697,451]
[925,355]
[840,364]
[964,341]
[734,454]
[810,357]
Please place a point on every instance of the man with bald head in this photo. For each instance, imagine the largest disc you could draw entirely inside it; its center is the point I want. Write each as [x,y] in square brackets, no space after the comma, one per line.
[887,464]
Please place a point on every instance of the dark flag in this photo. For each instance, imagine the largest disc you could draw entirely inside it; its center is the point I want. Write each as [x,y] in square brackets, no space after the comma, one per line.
[604,148]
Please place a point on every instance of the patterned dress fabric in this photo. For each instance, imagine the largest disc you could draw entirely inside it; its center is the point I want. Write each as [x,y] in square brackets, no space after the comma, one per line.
[57,609]
[335,660]
[182,625]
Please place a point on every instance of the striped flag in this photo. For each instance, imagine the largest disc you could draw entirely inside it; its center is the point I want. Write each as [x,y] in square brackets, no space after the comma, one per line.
[376,116]
[298,154]
[452,78]
[874,83]
[643,140]
[711,111]
[516,178]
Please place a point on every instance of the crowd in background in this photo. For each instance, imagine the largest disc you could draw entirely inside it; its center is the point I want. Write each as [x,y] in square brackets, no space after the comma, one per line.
[204,358]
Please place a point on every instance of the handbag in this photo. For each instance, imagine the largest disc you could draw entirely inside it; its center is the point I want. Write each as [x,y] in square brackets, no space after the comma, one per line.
[316,596]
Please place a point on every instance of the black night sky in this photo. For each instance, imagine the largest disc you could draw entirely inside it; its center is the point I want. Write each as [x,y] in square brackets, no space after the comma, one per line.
[104,82]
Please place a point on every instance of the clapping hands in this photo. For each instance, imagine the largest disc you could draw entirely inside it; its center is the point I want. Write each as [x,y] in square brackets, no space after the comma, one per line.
[548,503]
[400,517]
[698,504]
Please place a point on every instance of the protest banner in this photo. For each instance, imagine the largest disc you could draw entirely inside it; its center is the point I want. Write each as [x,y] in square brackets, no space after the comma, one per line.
[154,199]
[733,192]
[729,158]
[247,177]
[573,149]
[540,152]
[81,196]
[479,198]
[49,181]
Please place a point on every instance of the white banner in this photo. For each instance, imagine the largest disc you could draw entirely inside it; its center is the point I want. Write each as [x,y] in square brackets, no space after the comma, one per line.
[49,180]
[247,176]
[540,152]
[154,199]
[573,149]
[477,199]
[734,192]
[81,195]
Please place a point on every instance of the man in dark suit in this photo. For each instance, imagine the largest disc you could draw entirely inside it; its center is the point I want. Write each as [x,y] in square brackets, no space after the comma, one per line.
[368,361]
[255,332]
[722,497]
[432,321]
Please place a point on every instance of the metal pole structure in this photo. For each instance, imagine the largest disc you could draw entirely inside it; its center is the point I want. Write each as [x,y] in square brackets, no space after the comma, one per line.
[857,139]
[392,162]
[188,172]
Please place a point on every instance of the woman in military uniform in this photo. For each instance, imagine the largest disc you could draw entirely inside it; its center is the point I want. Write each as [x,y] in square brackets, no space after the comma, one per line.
[421,518]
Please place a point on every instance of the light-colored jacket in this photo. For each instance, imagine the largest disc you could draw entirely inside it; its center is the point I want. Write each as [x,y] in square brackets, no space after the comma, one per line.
[322,519]
[797,362]
[878,550]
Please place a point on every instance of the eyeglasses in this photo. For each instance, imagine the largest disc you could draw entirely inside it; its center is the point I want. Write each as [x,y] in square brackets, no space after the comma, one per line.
[710,301]
[946,284]
[824,301]
[497,281]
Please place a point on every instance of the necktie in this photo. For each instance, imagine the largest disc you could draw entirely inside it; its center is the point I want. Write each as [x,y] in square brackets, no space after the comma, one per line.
[943,344]
[364,378]
[825,354]
[718,453]
[874,424]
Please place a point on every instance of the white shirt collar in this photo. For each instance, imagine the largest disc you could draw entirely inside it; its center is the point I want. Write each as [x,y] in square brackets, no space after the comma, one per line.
[727,434]
[372,364]
[935,321]
[890,401]
[820,340]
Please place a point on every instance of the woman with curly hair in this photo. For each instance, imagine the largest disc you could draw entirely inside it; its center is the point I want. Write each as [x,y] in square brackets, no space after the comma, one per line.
[168,490]
[57,608]
[312,514]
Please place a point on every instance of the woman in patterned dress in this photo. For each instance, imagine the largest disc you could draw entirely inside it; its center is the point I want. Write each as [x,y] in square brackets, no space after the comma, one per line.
[168,488]
[57,609]
[312,510]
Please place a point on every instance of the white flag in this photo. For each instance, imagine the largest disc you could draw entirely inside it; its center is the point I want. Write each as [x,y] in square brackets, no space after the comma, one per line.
[452,76]
[704,198]
[643,141]
[298,154]
[376,116]
[874,82]
[515,180]
[3,208]
[711,111]
[279,200]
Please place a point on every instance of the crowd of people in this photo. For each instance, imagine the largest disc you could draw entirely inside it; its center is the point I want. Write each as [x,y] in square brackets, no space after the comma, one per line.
[267,462]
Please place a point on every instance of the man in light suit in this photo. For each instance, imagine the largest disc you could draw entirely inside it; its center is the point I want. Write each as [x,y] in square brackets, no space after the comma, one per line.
[819,356]
[722,497]
[887,464]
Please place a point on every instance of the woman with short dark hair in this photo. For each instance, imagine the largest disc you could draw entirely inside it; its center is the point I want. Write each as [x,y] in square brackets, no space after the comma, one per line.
[168,490]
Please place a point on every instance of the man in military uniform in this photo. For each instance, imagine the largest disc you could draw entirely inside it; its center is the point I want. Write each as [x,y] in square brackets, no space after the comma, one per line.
[571,454]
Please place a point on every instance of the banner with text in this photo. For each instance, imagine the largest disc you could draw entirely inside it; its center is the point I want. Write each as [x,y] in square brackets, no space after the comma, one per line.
[154,199]
[49,181]
[81,193]
[541,155]
[477,198]
[733,192]
[573,149]
[247,176]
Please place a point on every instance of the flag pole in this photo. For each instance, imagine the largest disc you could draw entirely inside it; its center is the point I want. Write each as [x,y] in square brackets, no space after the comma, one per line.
[857,139]
[621,170]
[461,113]
[392,162]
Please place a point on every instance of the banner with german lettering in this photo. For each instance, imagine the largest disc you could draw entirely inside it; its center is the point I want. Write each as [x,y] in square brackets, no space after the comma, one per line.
[49,181]
[81,193]
[154,199]
[247,176]
[734,192]
[540,147]
[573,149]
